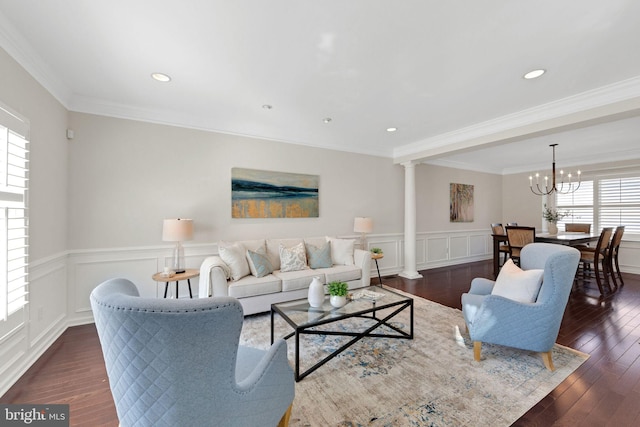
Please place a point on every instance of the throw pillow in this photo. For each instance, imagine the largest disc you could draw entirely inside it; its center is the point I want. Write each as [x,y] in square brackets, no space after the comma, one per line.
[319,257]
[259,264]
[293,258]
[341,251]
[234,256]
[517,284]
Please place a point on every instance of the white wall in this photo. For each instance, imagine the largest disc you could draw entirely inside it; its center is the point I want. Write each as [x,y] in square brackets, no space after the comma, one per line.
[432,198]
[30,331]
[127,176]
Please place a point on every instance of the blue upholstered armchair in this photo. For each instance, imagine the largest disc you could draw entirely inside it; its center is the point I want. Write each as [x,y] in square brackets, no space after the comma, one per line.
[528,326]
[178,362]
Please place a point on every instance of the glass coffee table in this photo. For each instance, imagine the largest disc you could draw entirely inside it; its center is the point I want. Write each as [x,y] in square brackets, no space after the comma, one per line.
[305,320]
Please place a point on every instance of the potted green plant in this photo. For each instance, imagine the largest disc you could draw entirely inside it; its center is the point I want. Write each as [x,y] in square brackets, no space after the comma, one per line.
[376,251]
[552,216]
[338,293]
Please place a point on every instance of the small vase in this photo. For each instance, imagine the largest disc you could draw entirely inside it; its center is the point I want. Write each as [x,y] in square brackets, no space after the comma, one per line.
[553,228]
[316,293]
[338,300]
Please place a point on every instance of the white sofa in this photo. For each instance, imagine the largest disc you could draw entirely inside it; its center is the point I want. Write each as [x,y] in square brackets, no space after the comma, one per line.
[225,274]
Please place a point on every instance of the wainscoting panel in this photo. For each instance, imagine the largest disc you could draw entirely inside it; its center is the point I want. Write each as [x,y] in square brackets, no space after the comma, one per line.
[87,269]
[391,249]
[437,249]
[630,257]
[458,247]
[26,335]
[478,244]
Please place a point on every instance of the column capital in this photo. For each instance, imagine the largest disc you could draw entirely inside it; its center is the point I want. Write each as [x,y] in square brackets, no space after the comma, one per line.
[409,164]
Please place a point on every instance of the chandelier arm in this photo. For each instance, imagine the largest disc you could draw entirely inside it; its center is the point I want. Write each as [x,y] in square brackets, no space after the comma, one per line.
[571,187]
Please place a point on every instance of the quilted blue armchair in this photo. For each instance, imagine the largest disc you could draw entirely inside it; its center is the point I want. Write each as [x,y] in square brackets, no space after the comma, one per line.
[528,326]
[178,362]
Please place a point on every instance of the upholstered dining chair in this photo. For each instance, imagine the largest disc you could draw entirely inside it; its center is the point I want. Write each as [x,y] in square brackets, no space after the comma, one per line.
[518,237]
[498,229]
[577,227]
[178,362]
[533,326]
[597,256]
[614,266]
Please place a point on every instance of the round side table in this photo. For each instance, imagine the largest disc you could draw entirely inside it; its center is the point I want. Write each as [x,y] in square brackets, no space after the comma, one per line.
[376,257]
[187,275]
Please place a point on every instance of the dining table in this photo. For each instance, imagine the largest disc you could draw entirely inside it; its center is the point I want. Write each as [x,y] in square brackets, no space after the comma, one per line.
[568,238]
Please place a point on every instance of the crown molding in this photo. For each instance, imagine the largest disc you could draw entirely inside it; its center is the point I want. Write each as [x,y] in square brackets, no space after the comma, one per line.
[586,106]
[21,51]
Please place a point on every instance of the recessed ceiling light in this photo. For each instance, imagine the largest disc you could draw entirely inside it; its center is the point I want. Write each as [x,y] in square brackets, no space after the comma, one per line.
[392,129]
[161,77]
[267,106]
[326,120]
[534,74]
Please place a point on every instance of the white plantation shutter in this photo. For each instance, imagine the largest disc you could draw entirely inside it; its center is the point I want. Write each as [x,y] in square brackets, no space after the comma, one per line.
[619,200]
[14,223]
[579,204]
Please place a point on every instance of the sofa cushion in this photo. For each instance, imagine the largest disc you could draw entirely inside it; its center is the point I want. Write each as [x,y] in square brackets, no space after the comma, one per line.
[234,256]
[318,256]
[293,258]
[293,280]
[250,286]
[341,251]
[259,264]
[340,273]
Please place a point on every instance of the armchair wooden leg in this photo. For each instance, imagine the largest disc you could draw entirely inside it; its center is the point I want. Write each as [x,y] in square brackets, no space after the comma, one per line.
[477,349]
[284,421]
[548,360]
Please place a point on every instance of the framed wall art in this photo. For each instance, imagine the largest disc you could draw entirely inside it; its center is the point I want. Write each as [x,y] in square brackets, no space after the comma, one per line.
[460,203]
[266,194]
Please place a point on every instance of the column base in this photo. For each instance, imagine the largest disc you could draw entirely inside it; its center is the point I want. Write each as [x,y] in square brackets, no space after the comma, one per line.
[410,275]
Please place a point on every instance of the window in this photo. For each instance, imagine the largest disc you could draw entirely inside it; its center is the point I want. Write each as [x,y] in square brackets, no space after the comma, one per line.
[578,204]
[604,202]
[620,203]
[14,223]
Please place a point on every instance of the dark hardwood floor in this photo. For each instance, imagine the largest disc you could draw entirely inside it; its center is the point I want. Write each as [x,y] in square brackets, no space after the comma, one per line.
[604,391]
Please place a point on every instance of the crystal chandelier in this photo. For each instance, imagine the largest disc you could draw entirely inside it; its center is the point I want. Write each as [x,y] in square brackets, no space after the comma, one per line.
[555,186]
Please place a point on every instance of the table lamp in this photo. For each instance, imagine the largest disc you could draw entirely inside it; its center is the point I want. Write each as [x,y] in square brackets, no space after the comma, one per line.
[177,230]
[363,225]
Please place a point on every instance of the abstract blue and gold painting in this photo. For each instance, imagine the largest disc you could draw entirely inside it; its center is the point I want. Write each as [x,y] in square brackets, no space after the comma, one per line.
[267,194]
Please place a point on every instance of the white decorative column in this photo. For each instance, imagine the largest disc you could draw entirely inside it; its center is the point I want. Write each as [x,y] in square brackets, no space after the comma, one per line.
[410,271]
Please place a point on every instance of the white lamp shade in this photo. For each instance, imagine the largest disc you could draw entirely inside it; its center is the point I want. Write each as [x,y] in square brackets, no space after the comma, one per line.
[177,230]
[363,225]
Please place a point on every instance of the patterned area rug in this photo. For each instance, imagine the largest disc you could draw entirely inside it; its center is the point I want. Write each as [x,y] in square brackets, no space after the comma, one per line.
[431,380]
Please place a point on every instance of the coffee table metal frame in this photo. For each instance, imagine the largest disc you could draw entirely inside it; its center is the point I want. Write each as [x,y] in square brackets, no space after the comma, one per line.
[367,313]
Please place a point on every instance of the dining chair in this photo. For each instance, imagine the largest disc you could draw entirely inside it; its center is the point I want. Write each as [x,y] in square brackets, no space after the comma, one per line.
[498,229]
[578,228]
[598,256]
[613,257]
[517,238]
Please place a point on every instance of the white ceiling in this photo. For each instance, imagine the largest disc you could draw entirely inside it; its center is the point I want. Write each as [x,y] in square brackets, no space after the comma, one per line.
[447,74]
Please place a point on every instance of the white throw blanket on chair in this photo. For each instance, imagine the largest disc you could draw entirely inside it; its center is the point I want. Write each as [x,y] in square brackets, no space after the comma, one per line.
[204,290]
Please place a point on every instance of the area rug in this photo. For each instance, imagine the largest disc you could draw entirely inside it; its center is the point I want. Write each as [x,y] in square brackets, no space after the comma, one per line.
[431,380]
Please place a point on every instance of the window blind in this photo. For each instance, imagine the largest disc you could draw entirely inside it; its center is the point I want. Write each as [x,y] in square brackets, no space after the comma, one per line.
[619,200]
[14,222]
[578,204]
